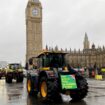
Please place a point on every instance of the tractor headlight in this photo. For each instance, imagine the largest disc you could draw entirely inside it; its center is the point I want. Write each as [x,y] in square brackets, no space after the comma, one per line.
[20,70]
[9,70]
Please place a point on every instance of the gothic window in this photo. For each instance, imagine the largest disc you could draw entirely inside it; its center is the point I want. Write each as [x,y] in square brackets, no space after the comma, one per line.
[29,25]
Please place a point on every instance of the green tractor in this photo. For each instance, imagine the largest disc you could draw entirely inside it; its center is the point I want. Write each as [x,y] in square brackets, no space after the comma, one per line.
[50,75]
[14,71]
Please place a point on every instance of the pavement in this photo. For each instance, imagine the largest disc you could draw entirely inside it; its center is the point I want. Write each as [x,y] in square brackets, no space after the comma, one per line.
[93,83]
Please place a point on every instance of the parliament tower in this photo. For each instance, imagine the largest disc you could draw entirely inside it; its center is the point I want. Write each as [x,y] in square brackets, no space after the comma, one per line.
[86,42]
[33,28]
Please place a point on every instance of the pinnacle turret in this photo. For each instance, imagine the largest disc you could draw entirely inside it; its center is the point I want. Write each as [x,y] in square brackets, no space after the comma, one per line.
[86,42]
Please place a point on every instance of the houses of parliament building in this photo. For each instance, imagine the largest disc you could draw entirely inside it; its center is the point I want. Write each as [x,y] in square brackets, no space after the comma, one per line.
[88,57]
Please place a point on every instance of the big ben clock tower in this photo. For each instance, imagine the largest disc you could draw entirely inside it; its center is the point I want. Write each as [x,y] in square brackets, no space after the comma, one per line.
[33,28]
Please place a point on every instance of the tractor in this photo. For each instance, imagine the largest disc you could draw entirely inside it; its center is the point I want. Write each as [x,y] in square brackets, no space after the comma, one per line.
[50,75]
[2,72]
[14,71]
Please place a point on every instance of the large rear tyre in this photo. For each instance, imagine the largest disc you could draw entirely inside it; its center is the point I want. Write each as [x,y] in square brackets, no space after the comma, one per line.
[49,90]
[82,90]
[30,87]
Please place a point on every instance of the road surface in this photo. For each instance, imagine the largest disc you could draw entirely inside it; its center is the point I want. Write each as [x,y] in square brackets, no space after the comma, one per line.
[16,94]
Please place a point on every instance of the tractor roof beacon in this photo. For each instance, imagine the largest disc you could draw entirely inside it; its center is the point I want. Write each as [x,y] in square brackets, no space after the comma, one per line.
[49,74]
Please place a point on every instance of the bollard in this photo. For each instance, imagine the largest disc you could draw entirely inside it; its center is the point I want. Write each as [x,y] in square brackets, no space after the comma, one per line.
[98,77]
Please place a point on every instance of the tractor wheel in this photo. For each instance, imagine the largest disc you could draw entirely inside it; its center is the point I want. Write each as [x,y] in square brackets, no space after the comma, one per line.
[30,87]
[82,90]
[19,79]
[8,80]
[49,90]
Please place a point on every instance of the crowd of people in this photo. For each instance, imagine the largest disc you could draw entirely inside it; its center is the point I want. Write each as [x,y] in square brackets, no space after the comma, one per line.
[90,72]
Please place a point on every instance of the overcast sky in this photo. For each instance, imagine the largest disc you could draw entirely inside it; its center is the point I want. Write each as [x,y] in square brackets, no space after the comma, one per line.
[64,24]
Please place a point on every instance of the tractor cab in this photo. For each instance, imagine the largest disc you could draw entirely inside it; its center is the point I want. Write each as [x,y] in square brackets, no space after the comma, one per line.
[15,66]
[48,60]
[51,59]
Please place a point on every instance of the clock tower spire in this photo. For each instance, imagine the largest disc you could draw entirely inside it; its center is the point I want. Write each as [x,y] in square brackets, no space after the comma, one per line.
[33,29]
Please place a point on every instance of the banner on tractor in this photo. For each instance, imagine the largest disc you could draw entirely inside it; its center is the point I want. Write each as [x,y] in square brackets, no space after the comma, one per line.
[68,82]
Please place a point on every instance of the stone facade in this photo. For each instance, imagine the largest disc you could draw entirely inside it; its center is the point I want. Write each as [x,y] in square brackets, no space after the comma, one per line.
[88,57]
[33,29]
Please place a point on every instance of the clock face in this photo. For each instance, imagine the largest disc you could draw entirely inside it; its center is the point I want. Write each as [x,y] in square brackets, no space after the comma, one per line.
[35,12]
[36,1]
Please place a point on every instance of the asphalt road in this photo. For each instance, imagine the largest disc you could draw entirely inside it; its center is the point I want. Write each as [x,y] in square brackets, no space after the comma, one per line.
[16,94]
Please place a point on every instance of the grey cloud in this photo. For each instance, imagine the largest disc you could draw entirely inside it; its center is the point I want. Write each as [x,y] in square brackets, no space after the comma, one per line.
[64,24]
